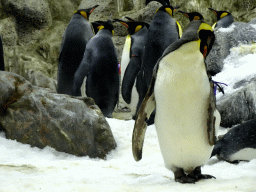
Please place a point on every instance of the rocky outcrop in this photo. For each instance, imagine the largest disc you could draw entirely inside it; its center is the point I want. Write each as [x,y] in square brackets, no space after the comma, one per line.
[35,12]
[237,34]
[239,106]
[40,117]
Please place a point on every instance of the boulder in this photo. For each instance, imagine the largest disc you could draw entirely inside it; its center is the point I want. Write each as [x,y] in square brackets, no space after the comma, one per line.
[40,117]
[226,38]
[239,106]
[36,12]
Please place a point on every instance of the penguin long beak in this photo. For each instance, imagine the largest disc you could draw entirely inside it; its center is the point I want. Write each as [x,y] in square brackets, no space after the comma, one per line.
[131,20]
[122,22]
[93,8]
[184,13]
[175,8]
[213,10]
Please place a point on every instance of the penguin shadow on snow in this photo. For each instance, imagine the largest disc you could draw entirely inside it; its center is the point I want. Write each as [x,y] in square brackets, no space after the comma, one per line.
[99,70]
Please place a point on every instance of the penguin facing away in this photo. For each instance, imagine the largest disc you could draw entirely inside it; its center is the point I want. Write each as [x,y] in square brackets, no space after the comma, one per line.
[78,32]
[238,144]
[186,116]
[131,61]
[100,68]
[224,19]
[193,15]
[2,68]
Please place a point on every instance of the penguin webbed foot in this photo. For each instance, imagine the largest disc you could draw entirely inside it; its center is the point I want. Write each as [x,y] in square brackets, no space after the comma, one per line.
[193,177]
[181,177]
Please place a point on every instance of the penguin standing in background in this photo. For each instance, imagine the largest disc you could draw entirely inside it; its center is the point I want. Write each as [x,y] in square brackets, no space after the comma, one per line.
[100,68]
[224,19]
[192,16]
[186,116]
[2,68]
[163,31]
[238,144]
[78,32]
[131,61]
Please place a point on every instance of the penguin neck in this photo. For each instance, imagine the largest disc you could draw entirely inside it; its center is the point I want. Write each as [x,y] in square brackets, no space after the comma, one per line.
[141,31]
[191,47]
[105,32]
[162,15]
[78,16]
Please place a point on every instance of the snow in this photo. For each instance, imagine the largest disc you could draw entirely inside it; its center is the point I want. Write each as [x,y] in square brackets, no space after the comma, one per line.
[238,65]
[24,168]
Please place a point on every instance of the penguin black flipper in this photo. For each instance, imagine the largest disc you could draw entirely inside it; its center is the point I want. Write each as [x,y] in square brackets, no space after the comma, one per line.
[146,108]
[82,71]
[2,68]
[130,74]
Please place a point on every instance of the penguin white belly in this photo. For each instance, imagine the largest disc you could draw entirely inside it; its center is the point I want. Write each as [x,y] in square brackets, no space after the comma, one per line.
[125,55]
[182,93]
[134,99]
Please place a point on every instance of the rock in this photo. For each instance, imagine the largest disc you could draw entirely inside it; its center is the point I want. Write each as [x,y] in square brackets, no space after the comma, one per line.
[37,12]
[226,38]
[8,31]
[238,107]
[40,80]
[40,117]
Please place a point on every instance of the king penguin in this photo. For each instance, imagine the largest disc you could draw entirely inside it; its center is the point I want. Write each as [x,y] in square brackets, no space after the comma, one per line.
[186,117]
[224,19]
[2,68]
[100,68]
[163,31]
[78,32]
[131,61]
[238,144]
[192,16]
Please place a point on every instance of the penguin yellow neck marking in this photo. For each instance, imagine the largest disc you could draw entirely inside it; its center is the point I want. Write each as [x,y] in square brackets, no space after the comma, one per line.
[196,18]
[223,15]
[180,29]
[102,27]
[205,26]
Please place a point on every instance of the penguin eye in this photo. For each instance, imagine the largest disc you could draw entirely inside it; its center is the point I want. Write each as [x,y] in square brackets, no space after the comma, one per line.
[84,14]
[138,28]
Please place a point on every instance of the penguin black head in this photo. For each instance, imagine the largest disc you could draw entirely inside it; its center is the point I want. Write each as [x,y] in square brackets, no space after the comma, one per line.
[220,14]
[105,25]
[143,23]
[168,8]
[198,30]
[86,12]
[193,15]
[133,26]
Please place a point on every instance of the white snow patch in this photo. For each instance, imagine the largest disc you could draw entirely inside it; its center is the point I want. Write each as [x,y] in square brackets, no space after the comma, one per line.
[228,29]
[239,65]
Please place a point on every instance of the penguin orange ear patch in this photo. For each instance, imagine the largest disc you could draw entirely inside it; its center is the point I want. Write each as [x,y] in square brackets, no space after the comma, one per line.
[196,18]
[223,15]
[138,28]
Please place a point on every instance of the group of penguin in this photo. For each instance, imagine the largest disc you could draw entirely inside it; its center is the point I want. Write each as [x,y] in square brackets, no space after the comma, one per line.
[163,73]
[164,81]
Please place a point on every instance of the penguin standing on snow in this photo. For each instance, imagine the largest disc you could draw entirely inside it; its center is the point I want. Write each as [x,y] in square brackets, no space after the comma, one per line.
[186,116]
[239,144]
[224,19]
[131,60]
[100,67]
[192,16]
[78,32]
[2,68]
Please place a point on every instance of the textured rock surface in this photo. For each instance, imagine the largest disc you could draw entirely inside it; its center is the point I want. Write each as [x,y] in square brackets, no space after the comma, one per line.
[240,106]
[36,12]
[40,117]
[237,34]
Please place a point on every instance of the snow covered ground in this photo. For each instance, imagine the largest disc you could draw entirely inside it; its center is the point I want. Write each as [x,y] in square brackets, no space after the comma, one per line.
[26,169]
[31,169]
